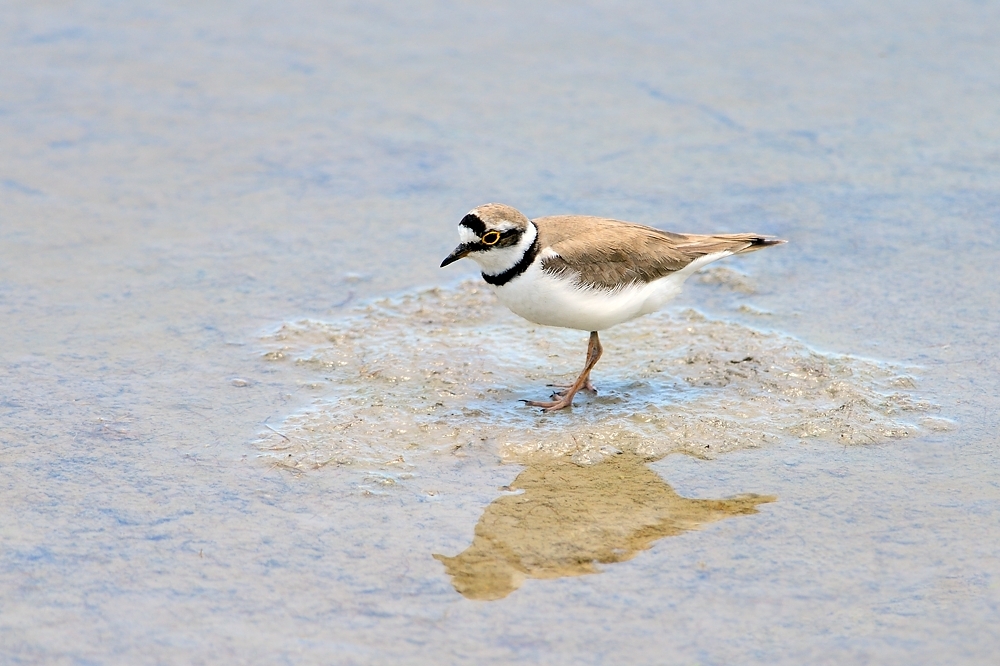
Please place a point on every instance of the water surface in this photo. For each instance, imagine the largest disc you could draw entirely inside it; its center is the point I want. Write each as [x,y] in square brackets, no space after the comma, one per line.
[182,186]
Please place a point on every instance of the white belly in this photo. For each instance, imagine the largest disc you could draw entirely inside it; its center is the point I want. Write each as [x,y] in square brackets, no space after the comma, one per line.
[552,301]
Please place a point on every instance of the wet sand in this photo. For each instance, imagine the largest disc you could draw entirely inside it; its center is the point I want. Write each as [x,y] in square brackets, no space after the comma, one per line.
[445,368]
[206,210]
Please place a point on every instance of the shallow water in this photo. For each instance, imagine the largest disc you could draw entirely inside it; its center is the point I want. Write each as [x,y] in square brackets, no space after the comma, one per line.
[205,209]
[442,369]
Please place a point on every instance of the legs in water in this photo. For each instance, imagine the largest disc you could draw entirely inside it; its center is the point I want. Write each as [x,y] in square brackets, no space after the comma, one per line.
[564,398]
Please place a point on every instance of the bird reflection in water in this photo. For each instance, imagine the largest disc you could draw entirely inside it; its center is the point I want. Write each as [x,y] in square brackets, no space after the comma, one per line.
[570,518]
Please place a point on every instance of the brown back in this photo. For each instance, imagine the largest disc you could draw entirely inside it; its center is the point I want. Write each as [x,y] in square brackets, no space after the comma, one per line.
[610,254]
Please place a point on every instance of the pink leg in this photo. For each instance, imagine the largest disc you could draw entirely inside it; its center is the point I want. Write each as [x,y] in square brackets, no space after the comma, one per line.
[589,386]
[565,398]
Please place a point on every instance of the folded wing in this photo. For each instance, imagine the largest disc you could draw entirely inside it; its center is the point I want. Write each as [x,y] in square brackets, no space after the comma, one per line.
[611,254]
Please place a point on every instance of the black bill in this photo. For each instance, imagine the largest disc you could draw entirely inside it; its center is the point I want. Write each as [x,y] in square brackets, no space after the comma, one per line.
[459,252]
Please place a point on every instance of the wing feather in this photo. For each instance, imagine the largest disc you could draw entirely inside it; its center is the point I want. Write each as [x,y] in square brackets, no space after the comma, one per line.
[611,254]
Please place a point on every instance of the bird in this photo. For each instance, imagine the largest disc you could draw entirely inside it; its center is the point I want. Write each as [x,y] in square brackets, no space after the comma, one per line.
[583,272]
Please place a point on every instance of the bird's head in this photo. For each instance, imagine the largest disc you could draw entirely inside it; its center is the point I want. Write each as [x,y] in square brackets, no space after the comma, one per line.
[494,236]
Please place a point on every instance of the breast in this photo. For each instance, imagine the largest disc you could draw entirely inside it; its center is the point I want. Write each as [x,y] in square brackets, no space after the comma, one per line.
[550,300]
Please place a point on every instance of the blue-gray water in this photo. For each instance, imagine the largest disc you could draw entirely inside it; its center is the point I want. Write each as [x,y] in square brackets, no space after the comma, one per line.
[177,183]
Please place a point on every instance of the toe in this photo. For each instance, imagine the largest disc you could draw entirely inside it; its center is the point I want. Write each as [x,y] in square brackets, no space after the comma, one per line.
[552,406]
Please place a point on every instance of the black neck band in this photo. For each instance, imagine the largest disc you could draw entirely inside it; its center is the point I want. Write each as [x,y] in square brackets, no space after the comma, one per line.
[500,279]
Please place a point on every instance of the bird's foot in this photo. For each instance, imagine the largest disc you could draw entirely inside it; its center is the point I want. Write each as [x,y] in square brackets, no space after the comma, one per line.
[589,387]
[562,402]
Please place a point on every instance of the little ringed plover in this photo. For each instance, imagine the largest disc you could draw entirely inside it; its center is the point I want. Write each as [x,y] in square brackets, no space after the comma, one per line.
[587,273]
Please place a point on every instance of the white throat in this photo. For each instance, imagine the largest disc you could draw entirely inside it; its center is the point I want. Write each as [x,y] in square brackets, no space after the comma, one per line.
[499,259]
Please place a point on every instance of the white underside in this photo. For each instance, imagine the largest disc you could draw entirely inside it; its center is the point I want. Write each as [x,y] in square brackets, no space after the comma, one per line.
[556,301]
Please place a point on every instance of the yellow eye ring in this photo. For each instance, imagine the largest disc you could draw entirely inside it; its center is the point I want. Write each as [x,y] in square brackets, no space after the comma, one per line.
[490,238]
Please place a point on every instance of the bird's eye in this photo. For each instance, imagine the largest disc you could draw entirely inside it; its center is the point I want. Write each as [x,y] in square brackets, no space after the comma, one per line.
[490,238]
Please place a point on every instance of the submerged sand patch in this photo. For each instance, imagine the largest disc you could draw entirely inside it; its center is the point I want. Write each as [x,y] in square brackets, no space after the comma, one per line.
[442,369]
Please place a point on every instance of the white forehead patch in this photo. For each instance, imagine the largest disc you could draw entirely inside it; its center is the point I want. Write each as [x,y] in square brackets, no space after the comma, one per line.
[466,234]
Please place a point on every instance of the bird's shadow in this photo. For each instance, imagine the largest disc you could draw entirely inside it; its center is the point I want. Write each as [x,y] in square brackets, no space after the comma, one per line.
[567,519]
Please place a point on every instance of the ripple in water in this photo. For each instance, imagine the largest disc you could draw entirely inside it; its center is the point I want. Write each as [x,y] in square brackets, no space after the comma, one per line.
[441,369]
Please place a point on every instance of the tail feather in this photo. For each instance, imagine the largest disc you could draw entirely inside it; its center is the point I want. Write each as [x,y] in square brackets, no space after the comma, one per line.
[734,243]
[743,243]
[760,242]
